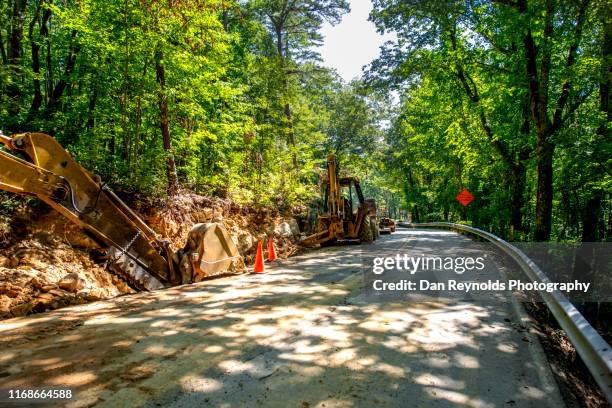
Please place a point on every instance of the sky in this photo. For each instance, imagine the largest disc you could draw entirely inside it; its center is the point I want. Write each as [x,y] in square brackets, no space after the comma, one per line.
[353,43]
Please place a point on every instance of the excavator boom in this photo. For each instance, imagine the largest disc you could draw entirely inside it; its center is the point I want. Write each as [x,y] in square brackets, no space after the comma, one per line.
[135,251]
[52,175]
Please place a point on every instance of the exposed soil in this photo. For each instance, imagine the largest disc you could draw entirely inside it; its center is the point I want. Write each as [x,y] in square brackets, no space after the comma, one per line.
[174,218]
[46,262]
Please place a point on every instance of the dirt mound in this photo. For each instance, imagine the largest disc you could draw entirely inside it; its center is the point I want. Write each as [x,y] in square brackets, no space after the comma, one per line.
[46,271]
[174,217]
[47,262]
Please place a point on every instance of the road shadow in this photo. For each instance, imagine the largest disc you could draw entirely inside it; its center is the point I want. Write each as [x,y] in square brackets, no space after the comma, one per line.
[299,336]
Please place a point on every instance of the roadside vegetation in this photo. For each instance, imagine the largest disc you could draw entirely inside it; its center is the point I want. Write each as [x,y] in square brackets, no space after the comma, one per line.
[508,98]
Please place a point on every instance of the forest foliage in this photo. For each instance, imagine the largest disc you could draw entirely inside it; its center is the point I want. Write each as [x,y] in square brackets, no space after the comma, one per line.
[221,97]
[508,98]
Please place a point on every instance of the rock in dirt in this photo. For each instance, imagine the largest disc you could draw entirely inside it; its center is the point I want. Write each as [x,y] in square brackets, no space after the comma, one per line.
[71,282]
[217,215]
[295,228]
[36,283]
[5,304]
[203,215]
[22,309]
[58,292]
[245,242]
[90,296]
[10,290]
[284,230]
[47,288]
[13,262]
[45,238]
[45,296]
[43,302]
[93,295]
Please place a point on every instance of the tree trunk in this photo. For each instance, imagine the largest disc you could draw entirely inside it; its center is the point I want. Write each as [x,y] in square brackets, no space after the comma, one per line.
[544,195]
[124,100]
[62,84]
[415,213]
[287,108]
[138,133]
[279,41]
[44,33]
[591,217]
[608,232]
[15,54]
[519,171]
[16,33]
[111,145]
[604,83]
[585,268]
[35,47]
[2,49]
[290,132]
[539,96]
[173,185]
[517,168]
[544,149]
[225,20]
[416,216]
[519,175]
[93,99]
[592,211]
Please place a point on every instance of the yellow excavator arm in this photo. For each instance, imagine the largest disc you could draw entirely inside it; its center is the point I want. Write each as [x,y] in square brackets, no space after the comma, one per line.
[135,251]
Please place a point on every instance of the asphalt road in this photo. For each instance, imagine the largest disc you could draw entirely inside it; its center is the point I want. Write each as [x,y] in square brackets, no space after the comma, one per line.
[304,334]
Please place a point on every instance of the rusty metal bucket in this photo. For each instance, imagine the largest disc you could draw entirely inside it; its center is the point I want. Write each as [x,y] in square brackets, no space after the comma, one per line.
[211,251]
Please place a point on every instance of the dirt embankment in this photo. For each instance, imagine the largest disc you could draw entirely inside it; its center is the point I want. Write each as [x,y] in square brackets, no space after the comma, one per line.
[46,262]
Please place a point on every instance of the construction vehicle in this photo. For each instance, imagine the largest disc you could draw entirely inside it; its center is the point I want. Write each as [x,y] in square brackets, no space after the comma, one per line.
[346,216]
[134,251]
[387,225]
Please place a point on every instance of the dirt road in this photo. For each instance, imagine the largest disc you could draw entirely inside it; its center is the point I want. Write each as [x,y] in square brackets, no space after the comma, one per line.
[301,335]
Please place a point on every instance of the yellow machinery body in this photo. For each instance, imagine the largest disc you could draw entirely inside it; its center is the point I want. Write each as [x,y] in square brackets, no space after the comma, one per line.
[346,214]
[387,225]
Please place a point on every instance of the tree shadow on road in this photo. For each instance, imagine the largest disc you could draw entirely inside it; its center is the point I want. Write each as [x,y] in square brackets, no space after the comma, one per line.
[299,336]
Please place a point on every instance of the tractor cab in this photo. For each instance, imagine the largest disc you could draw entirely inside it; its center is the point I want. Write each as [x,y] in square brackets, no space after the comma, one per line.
[349,201]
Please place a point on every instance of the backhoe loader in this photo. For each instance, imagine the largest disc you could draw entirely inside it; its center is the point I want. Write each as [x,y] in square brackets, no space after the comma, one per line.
[346,217]
[387,224]
[134,250]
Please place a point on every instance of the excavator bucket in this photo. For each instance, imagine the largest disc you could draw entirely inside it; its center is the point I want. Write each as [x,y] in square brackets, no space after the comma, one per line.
[210,250]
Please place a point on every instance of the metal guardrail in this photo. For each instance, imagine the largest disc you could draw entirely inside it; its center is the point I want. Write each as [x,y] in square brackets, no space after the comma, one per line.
[592,348]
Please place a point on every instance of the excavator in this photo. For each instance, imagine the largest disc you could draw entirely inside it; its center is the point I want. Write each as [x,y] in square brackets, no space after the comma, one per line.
[346,217]
[36,164]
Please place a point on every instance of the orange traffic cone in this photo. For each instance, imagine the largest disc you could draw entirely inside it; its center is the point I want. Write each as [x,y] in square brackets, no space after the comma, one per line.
[259,265]
[271,251]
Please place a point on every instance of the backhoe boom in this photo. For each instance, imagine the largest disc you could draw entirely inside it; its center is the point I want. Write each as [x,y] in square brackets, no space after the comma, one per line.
[53,176]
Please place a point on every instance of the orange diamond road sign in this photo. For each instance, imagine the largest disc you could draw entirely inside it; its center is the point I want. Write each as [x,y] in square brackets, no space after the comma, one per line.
[464,197]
